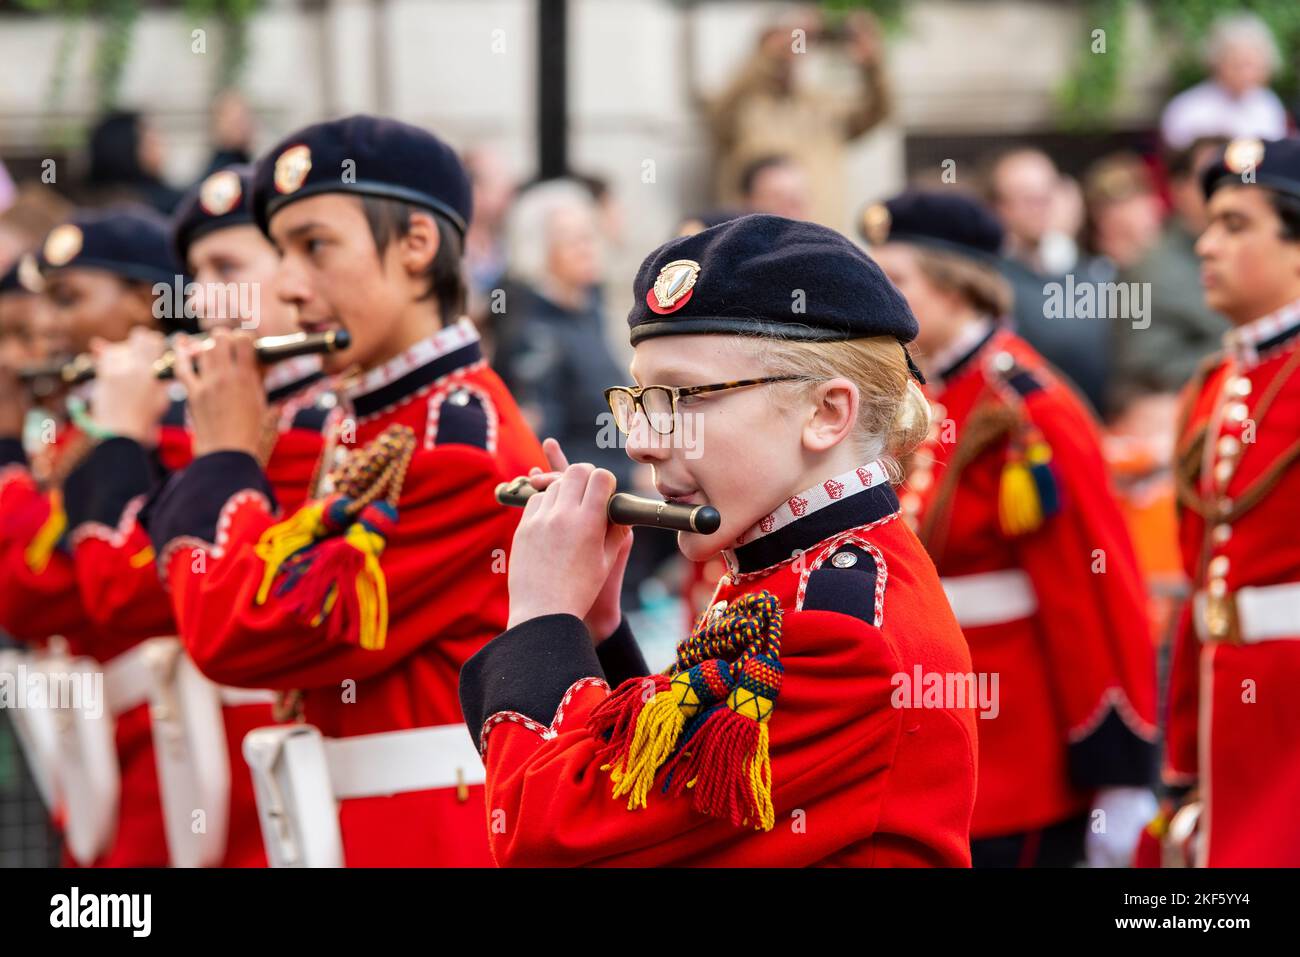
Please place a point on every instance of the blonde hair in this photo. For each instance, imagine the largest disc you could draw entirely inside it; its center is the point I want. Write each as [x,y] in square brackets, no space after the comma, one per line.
[893,413]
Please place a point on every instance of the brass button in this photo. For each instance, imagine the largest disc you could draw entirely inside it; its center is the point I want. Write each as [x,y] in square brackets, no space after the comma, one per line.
[1223,472]
[717,610]
[1218,566]
[1217,587]
[921,480]
[911,502]
[1239,386]
[1237,412]
[1229,446]
[844,559]
[1221,533]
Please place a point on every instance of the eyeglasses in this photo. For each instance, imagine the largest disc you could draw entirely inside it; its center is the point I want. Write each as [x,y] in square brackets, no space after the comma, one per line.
[658,403]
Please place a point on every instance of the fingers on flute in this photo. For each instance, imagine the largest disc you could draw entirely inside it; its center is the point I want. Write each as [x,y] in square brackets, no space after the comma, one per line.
[599,487]
[555,455]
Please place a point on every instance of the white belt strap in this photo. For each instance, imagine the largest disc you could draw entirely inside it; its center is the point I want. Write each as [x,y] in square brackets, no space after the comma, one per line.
[128,680]
[36,727]
[991,598]
[299,777]
[420,759]
[1264,613]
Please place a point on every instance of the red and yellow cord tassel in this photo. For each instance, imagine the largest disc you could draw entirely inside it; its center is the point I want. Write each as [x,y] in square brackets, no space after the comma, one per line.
[281,542]
[41,547]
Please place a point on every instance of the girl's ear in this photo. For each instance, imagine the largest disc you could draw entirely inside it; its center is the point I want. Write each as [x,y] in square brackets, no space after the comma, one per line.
[834,414]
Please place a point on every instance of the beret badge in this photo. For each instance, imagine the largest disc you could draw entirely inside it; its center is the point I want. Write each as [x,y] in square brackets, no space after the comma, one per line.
[220,193]
[29,274]
[292,167]
[876,221]
[1243,155]
[62,245]
[673,286]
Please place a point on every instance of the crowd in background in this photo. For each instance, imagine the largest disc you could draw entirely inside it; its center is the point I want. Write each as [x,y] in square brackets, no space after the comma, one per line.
[539,279]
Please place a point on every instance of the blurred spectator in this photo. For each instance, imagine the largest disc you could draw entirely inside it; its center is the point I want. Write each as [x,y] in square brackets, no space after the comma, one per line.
[1041,211]
[7,188]
[770,108]
[485,260]
[1235,101]
[1026,194]
[126,161]
[551,347]
[1183,329]
[776,184]
[34,212]
[1124,210]
[232,131]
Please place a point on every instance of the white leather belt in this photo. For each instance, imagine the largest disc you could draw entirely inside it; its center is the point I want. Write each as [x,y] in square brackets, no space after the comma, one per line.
[991,598]
[1264,613]
[418,759]
[128,680]
[234,697]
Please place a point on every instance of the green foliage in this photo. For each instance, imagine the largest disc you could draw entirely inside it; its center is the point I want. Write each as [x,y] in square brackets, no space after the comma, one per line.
[1087,95]
[117,19]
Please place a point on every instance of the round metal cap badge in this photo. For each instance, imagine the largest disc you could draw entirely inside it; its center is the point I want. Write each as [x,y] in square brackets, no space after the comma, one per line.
[62,245]
[1242,155]
[292,167]
[673,287]
[220,192]
[876,221]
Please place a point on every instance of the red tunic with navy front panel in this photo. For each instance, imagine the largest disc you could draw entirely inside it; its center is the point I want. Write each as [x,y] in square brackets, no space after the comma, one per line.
[859,775]
[1074,661]
[1234,726]
[443,563]
[95,583]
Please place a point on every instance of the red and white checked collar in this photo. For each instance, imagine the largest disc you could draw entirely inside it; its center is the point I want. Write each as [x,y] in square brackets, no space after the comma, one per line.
[290,371]
[1243,342]
[819,496]
[439,344]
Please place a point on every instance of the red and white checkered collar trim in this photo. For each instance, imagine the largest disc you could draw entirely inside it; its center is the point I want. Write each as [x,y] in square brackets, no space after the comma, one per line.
[441,343]
[818,497]
[289,371]
[1243,343]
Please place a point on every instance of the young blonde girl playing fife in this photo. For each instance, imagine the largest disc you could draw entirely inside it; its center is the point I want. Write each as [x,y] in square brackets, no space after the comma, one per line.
[787,731]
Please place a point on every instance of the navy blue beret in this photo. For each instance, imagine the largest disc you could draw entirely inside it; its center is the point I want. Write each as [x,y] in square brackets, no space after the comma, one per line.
[1274,164]
[698,222]
[369,156]
[946,221]
[768,276]
[129,241]
[223,199]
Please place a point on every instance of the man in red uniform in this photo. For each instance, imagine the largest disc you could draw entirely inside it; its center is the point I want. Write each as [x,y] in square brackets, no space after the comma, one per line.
[362,606]
[789,732]
[1234,727]
[1011,498]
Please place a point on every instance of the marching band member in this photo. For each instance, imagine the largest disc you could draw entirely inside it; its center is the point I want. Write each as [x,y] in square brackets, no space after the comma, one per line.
[1010,496]
[99,271]
[782,734]
[361,606]
[1234,729]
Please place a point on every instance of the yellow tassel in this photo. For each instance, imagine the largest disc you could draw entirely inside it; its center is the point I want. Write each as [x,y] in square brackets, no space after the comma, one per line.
[143,558]
[372,589]
[1019,510]
[41,547]
[760,780]
[281,541]
[658,727]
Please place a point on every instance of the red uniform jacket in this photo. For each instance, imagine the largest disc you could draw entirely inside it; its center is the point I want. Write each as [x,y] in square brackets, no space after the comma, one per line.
[864,769]
[95,583]
[1234,726]
[444,565]
[1076,673]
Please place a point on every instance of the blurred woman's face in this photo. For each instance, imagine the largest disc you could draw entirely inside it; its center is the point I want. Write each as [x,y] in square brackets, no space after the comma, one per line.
[151,152]
[234,269]
[938,312]
[89,302]
[574,260]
